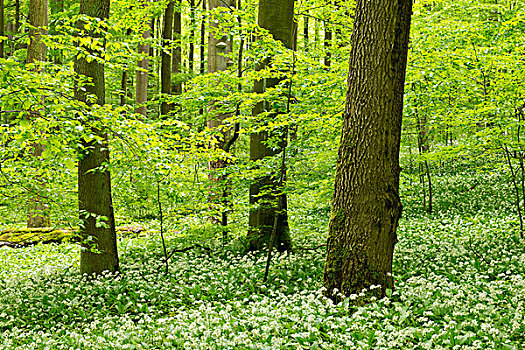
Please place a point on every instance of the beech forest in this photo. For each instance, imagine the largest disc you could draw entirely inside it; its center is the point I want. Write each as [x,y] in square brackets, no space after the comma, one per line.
[262,174]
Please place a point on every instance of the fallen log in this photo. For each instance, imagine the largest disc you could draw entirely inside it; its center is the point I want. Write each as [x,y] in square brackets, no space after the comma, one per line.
[25,237]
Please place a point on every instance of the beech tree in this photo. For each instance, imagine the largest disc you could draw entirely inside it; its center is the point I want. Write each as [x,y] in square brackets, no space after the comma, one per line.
[165,75]
[176,52]
[97,221]
[2,28]
[141,87]
[219,47]
[277,16]
[366,206]
[38,214]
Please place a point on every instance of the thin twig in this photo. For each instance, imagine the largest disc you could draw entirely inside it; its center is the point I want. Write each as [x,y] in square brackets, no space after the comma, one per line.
[183,250]
[162,227]
[313,248]
[476,253]
[513,178]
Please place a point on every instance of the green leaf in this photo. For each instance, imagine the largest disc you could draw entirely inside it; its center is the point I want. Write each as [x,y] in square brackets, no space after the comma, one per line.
[69,163]
[47,152]
[25,124]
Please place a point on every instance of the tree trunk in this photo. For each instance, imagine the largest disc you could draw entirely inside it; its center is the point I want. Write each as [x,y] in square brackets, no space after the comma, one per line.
[57,6]
[203,37]
[295,34]
[17,16]
[141,88]
[38,211]
[366,207]
[277,16]
[2,28]
[154,35]
[97,221]
[177,50]
[424,170]
[39,20]
[123,87]
[327,43]
[306,31]
[218,49]
[165,74]
[339,38]
[191,48]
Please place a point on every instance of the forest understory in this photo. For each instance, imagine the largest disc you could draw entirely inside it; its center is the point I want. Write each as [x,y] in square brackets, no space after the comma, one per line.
[459,277]
[262,174]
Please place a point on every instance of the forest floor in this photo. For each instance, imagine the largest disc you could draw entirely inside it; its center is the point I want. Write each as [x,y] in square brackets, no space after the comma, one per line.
[459,275]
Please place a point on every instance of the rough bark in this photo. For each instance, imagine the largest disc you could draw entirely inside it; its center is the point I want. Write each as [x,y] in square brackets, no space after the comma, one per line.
[277,16]
[177,49]
[97,221]
[39,21]
[165,70]
[219,47]
[141,87]
[366,207]
[38,211]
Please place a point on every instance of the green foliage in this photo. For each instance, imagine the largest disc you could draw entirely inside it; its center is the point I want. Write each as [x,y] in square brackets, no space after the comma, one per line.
[459,281]
[458,272]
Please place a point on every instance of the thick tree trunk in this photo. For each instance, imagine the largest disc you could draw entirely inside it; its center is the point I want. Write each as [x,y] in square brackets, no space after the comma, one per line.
[165,74]
[141,88]
[218,49]
[38,211]
[277,16]
[97,221]
[366,207]
[177,50]
[39,21]
[38,214]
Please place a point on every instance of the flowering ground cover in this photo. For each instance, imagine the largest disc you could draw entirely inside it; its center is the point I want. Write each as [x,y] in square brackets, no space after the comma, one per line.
[460,277]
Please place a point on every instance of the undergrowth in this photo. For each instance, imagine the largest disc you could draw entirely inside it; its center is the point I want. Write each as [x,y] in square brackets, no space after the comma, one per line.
[459,276]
